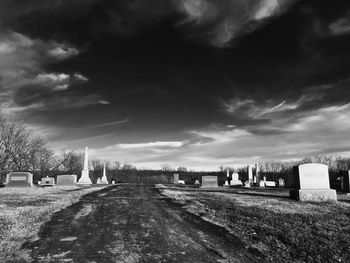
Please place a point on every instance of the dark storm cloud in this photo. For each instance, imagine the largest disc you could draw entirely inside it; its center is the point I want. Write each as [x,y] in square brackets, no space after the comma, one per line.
[208,21]
[196,80]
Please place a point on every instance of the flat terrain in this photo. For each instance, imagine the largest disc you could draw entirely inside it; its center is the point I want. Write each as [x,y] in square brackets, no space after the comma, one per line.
[24,210]
[133,223]
[271,224]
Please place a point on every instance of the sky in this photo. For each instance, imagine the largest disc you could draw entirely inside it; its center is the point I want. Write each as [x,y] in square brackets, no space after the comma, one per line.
[194,83]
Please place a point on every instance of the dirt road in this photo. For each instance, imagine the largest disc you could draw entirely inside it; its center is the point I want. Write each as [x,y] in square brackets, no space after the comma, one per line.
[131,223]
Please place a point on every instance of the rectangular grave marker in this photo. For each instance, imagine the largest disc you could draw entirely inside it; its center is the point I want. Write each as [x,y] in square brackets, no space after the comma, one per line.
[270,184]
[312,183]
[47,181]
[209,181]
[250,174]
[19,179]
[176,178]
[66,180]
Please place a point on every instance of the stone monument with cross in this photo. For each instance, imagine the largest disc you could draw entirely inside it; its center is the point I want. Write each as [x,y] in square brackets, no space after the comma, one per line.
[85,179]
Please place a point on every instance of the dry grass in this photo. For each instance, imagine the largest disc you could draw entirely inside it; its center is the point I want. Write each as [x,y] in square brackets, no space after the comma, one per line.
[24,210]
[282,230]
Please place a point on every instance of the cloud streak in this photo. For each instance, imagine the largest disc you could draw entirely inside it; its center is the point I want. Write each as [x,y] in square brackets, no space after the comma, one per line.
[25,85]
[218,22]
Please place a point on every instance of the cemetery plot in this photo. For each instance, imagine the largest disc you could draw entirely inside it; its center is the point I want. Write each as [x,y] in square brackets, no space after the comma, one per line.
[274,226]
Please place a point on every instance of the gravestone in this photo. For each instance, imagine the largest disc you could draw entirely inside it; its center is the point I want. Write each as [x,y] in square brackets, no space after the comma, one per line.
[262,183]
[19,179]
[247,184]
[257,173]
[226,184]
[209,181]
[281,182]
[197,182]
[250,174]
[47,181]
[345,182]
[234,180]
[176,178]
[181,182]
[66,180]
[312,183]
[270,184]
[104,180]
[85,179]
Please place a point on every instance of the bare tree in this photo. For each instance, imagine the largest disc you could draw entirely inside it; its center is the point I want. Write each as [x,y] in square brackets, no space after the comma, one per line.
[182,169]
[166,168]
[21,151]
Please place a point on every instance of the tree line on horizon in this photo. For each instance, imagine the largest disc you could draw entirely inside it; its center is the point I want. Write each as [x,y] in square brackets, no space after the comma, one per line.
[22,150]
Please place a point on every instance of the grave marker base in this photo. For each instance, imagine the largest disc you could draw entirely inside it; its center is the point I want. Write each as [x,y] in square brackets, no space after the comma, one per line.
[236,183]
[314,195]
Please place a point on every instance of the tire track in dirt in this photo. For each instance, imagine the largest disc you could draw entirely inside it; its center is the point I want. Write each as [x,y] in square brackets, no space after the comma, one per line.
[133,223]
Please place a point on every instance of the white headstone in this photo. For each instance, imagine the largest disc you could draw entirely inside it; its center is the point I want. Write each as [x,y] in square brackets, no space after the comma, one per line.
[313,183]
[47,181]
[281,182]
[257,173]
[234,180]
[270,184]
[227,173]
[104,177]
[85,179]
[250,174]
[235,176]
[313,176]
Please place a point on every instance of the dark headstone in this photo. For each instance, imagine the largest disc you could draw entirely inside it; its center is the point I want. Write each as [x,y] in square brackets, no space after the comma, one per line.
[345,182]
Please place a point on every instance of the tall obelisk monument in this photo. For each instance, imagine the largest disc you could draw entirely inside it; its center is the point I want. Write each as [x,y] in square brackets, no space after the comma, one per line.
[85,179]
[104,177]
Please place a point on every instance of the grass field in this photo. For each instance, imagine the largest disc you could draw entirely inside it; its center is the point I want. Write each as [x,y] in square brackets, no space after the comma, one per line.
[274,226]
[24,210]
